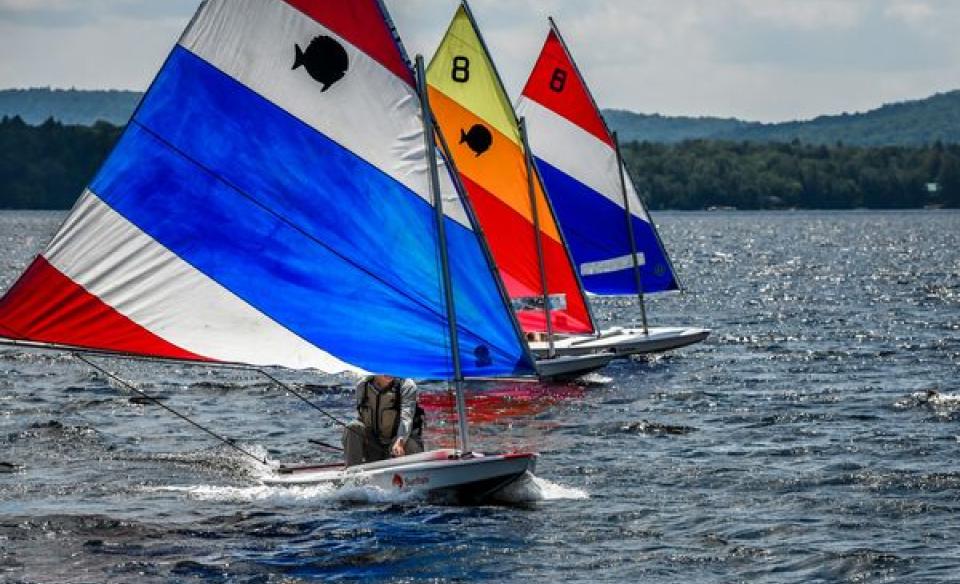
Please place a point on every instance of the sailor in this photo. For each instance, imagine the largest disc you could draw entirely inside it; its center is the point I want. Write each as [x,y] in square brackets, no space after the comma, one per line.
[390,421]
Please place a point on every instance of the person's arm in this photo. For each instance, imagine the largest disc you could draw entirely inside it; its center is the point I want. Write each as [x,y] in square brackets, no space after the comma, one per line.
[408,407]
[358,395]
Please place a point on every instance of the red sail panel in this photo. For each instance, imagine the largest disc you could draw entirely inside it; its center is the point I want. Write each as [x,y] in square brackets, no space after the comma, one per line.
[46,306]
[363,25]
[511,240]
[556,85]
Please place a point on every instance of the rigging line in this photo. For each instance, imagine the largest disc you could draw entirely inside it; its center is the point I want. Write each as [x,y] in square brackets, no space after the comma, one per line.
[310,403]
[324,444]
[130,386]
[112,354]
[304,231]
[78,351]
[299,229]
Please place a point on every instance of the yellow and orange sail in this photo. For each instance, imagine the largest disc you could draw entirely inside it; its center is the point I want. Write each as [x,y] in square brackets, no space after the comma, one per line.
[478,122]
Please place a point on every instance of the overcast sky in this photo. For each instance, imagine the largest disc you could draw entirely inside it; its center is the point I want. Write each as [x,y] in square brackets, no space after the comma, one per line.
[766,60]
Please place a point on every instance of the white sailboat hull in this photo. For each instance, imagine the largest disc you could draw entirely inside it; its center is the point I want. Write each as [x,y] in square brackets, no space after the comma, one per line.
[570,365]
[623,342]
[471,477]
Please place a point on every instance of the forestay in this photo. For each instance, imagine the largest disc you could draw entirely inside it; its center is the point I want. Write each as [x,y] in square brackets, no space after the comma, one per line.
[479,123]
[577,158]
[269,204]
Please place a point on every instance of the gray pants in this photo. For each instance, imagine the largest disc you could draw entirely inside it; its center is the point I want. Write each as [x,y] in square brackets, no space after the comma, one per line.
[360,445]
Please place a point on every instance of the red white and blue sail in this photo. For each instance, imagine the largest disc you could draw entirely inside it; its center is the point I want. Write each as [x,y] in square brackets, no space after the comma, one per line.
[269,204]
[576,155]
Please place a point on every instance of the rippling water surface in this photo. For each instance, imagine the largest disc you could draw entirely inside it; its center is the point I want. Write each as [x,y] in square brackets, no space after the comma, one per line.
[814,438]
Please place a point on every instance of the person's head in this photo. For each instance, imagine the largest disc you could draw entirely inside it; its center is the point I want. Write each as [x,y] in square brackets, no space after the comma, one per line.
[382,381]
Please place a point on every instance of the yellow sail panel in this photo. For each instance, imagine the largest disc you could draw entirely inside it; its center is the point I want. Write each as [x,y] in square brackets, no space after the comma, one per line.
[478,123]
[462,70]
[500,171]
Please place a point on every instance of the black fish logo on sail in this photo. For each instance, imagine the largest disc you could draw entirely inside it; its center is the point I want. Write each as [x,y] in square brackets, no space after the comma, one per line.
[482,356]
[478,138]
[325,60]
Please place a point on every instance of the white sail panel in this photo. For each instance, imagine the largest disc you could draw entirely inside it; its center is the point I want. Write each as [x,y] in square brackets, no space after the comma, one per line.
[383,104]
[225,199]
[591,162]
[159,291]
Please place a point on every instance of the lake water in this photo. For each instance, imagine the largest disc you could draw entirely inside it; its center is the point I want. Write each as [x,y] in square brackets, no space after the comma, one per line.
[815,437]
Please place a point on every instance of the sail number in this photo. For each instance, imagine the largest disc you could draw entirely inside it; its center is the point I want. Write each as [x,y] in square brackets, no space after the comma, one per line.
[461,69]
[559,80]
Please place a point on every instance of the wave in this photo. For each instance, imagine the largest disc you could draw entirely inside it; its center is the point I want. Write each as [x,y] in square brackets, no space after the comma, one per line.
[930,398]
[530,489]
[287,496]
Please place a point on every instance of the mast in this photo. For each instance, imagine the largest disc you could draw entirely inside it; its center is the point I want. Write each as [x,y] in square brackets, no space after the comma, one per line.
[538,237]
[534,174]
[566,247]
[478,228]
[643,205]
[431,147]
[461,190]
[633,242]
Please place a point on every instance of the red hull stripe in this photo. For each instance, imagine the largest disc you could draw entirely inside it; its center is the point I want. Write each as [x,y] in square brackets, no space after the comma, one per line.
[362,24]
[511,239]
[555,84]
[46,306]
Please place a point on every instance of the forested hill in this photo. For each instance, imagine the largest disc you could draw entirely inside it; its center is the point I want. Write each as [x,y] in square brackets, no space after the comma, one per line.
[910,123]
[47,166]
[70,106]
[897,157]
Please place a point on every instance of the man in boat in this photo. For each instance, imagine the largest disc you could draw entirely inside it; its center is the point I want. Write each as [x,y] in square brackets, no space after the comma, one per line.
[390,421]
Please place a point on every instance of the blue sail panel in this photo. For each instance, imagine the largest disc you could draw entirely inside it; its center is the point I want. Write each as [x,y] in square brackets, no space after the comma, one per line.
[254,213]
[320,295]
[587,182]
[596,231]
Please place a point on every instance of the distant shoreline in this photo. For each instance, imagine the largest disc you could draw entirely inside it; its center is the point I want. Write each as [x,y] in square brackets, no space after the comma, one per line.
[914,122]
[48,166]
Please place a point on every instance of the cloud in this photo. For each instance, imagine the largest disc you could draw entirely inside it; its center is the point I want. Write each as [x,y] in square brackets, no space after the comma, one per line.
[798,14]
[61,13]
[911,12]
[91,44]
[755,59]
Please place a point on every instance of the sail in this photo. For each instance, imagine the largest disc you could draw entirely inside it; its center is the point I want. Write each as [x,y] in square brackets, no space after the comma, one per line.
[577,158]
[269,204]
[477,120]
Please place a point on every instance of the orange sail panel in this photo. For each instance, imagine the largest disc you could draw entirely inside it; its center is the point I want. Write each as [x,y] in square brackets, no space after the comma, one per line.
[477,121]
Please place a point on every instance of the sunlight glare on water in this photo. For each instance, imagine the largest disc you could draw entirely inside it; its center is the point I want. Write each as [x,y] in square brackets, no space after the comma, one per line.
[813,438]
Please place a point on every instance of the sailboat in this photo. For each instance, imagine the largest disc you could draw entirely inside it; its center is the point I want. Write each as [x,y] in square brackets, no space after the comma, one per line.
[277,200]
[487,143]
[611,235]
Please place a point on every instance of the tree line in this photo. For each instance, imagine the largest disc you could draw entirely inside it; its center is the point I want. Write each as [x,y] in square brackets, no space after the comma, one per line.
[48,166]
[701,174]
[909,123]
[70,106]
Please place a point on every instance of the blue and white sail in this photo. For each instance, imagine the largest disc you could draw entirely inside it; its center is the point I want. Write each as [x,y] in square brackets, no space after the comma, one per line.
[269,204]
[588,186]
